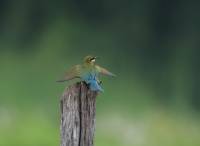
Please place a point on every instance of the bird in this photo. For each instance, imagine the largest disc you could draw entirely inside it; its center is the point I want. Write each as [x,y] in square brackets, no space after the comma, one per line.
[89,72]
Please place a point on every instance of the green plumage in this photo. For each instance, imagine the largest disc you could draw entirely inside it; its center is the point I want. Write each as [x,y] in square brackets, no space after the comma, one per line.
[86,69]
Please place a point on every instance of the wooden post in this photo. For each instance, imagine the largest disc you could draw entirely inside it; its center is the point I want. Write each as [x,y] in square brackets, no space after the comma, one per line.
[78,107]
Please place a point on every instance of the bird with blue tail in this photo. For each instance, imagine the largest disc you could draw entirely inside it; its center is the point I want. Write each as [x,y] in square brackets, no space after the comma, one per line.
[93,83]
[89,72]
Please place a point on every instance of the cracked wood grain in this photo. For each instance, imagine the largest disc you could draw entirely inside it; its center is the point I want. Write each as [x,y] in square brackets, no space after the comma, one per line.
[78,107]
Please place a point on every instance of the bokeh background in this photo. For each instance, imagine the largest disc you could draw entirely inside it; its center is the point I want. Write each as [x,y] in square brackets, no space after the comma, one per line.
[152,46]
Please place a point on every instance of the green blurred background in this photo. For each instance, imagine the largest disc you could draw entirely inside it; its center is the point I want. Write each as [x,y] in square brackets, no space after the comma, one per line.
[152,46]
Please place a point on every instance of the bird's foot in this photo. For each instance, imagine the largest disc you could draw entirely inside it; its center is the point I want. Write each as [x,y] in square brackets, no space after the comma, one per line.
[99,82]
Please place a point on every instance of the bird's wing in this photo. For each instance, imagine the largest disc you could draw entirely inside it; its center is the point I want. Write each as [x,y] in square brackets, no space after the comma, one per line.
[74,72]
[104,71]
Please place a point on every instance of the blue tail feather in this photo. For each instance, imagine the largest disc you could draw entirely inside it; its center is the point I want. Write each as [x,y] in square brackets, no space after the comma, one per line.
[92,80]
[94,86]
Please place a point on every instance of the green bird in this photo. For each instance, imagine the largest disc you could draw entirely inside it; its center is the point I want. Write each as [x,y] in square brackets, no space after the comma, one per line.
[88,71]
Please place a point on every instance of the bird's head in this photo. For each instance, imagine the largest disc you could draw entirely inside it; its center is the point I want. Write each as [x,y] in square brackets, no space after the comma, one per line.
[90,60]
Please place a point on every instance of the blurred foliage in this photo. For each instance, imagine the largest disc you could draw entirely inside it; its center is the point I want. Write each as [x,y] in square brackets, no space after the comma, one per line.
[152,46]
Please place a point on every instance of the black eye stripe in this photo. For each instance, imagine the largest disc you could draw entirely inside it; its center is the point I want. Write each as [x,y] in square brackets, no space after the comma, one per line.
[92,58]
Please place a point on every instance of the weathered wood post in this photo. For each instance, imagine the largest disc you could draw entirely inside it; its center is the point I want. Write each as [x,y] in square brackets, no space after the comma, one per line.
[78,107]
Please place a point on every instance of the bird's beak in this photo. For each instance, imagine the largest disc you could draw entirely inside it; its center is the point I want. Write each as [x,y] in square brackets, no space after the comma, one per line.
[96,57]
